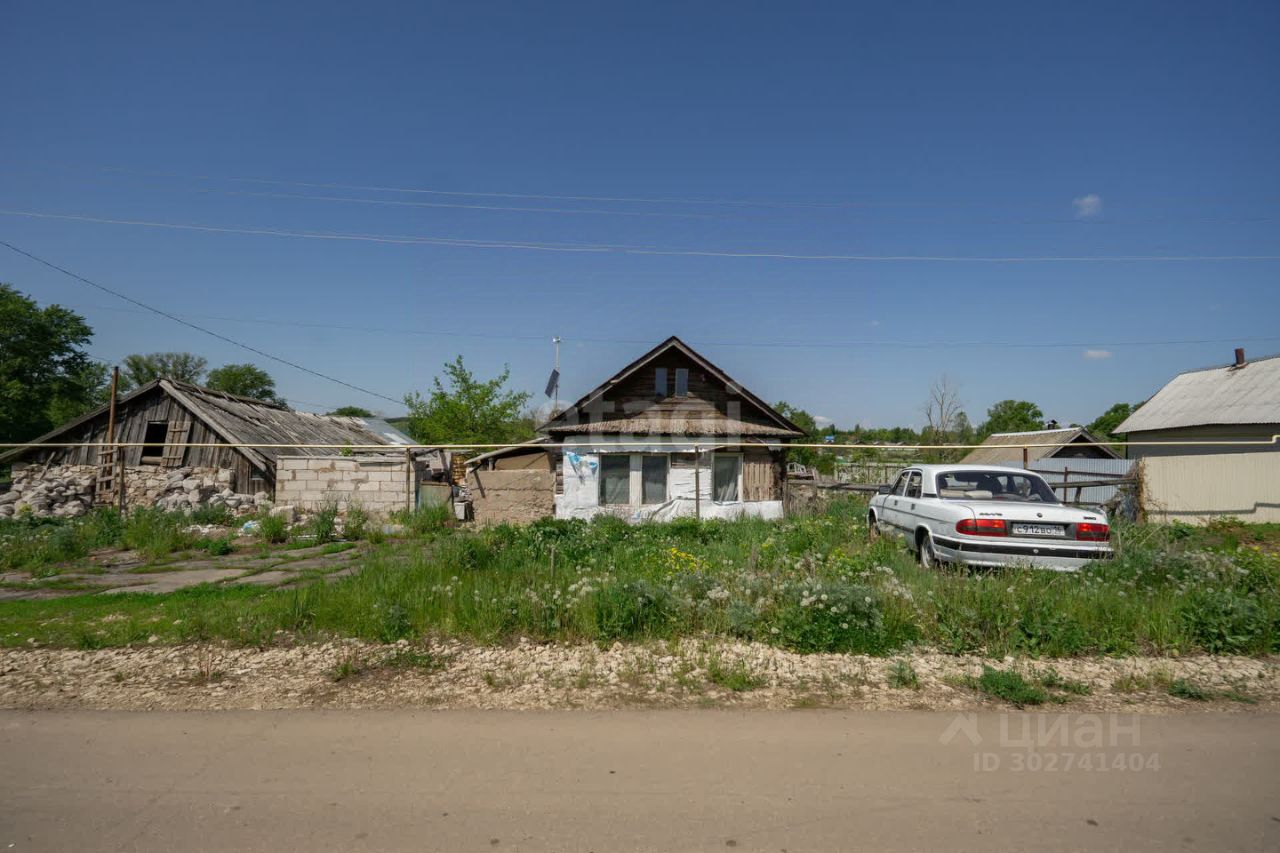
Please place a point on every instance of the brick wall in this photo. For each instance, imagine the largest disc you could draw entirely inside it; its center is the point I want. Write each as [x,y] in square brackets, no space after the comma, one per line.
[377,483]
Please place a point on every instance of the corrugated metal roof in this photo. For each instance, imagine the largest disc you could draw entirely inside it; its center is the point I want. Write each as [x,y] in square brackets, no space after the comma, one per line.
[1218,395]
[1006,447]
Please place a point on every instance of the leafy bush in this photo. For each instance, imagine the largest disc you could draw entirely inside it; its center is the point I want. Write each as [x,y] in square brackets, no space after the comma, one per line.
[833,616]
[1222,620]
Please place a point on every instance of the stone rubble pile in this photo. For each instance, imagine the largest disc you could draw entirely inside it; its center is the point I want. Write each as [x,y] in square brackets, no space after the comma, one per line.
[66,491]
[63,491]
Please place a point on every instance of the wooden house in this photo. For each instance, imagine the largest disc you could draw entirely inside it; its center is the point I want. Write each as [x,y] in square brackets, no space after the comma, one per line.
[670,434]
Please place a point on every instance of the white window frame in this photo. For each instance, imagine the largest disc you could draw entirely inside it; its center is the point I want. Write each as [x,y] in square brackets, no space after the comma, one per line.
[712,478]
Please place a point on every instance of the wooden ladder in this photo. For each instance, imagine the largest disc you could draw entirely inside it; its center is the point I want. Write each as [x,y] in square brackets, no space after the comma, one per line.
[105,490]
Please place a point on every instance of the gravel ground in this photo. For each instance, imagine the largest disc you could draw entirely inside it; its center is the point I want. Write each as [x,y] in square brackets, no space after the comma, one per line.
[351,674]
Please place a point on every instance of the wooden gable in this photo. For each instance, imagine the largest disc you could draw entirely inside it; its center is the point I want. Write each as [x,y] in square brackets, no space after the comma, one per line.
[631,401]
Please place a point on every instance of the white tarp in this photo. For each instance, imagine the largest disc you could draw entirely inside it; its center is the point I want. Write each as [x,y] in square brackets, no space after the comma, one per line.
[581,496]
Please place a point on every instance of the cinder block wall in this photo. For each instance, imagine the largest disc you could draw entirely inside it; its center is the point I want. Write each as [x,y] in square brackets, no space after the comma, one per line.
[511,496]
[379,484]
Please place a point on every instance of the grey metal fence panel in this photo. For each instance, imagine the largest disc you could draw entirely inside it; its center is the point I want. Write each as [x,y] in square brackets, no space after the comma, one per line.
[1059,473]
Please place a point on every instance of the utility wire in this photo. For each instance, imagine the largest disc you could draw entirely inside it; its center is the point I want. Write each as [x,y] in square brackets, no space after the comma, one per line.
[640,250]
[766,344]
[189,325]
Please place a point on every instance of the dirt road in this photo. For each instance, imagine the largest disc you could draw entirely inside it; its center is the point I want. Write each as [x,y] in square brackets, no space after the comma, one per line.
[642,780]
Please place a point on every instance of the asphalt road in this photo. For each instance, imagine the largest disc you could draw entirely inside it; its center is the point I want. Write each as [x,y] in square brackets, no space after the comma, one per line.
[663,780]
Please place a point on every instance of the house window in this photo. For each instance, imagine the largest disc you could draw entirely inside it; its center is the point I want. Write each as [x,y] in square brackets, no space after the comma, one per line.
[156,434]
[660,383]
[682,382]
[615,479]
[653,476]
[726,472]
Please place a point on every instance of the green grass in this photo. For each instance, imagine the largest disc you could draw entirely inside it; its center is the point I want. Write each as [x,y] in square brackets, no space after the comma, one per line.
[810,584]
[1009,686]
[736,677]
[1184,689]
[903,676]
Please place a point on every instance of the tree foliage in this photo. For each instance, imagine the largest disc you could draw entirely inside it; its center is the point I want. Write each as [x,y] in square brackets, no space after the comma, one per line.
[244,380]
[808,424]
[1105,424]
[351,412]
[1012,416]
[462,409]
[139,369]
[46,377]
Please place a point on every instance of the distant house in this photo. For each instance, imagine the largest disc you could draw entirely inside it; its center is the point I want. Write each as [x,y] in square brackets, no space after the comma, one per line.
[1236,410]
[670,434]
[1009,448]
[205,446]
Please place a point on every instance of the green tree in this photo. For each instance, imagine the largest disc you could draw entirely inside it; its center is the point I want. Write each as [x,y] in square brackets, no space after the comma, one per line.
[1105,425]
[465,410]
[45,374]
[1012,416]
[351,412]
[244,380]
[139,369]
[804,455]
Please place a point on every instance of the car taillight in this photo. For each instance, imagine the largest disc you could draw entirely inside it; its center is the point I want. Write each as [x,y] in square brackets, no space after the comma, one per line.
[983,527]
[1093,532]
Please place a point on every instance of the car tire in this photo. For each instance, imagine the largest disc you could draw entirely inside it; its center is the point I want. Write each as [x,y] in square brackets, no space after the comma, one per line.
[873,527]
[925,554]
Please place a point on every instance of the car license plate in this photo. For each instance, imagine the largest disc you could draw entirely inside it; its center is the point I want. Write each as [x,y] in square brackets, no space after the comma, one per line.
[1038,530]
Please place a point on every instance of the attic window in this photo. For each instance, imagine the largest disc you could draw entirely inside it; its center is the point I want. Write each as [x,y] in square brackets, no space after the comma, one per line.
[156,434]
[682,382]
[660,383]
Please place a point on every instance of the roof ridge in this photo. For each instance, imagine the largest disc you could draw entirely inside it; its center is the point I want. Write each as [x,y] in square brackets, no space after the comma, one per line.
[1248,361]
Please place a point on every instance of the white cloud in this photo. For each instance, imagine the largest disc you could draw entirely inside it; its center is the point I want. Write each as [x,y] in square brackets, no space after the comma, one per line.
[1087,206]
[1097,354]
[822,420]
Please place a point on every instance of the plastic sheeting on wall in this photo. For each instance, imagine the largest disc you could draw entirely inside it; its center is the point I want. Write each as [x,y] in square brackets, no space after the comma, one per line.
[581,494]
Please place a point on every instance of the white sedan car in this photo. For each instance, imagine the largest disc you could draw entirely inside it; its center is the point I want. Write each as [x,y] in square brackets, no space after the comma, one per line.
[985,515]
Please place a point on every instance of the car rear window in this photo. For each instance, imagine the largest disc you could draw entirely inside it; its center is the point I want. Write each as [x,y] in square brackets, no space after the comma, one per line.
[994,486]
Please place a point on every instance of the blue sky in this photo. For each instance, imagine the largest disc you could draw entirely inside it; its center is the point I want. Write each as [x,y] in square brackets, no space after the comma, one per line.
[738,141]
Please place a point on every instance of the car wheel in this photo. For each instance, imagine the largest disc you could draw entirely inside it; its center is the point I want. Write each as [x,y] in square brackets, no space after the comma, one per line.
[873,527]
[925,553]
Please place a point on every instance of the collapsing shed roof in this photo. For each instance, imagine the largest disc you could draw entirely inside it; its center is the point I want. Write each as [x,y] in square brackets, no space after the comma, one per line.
[1244,394]
[246,421]
[241,420]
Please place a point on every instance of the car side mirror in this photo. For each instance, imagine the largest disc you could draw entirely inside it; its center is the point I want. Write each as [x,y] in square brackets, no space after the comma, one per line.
[884,490]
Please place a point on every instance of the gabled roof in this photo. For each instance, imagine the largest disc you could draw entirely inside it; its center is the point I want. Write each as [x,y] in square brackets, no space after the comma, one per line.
[1249,394]
[1004,446]
[243,420]
[679,422]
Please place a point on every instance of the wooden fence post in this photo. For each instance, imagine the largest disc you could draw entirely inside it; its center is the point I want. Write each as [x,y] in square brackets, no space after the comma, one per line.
[408,480]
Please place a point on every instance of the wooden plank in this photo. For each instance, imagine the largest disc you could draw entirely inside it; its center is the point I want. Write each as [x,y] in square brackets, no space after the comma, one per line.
[173,444]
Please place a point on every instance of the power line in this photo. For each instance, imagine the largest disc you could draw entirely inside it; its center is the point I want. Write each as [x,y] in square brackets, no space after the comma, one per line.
[588,248]
[189,325]
[776,344]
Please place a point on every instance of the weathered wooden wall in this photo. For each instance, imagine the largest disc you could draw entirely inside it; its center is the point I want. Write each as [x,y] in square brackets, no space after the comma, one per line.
[132,418]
